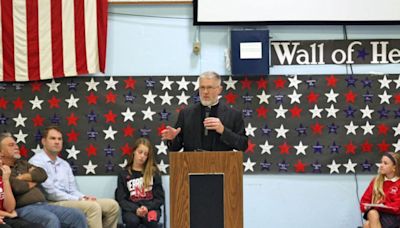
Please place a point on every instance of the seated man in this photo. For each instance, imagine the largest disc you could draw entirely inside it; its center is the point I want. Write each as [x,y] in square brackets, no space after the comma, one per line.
[30,201]
[60,186]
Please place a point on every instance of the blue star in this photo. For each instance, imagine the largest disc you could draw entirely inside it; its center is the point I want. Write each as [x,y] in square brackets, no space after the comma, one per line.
[334,148]
[92,134]
[279,99]
[366,83]
[247,98]
[366,166]
[247,112]
[350,112]
[18,86]
[72,85]
[129,97]
[3,119]
[55,119]
[145,131]
[164,115]
[3,86]
[92,117]
[351,81]
[383,113]
[109,151]
[397,113]
[150,83]
[333,128]
[266,131]
[196,98]
[73,167]
[38,136]
[301,130]
[283,166]
[318,148]
[316,167]
[368,97]
[109,167]
[361,54]
[311,83]
[265,165]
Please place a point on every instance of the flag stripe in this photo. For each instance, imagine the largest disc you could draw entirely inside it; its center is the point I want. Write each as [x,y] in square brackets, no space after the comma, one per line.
[33,40]
[45,45]
[69,38]
[8,40]
[102,12]
[80,37]
[20,41]
[56,38]
[1,49]
[91,36]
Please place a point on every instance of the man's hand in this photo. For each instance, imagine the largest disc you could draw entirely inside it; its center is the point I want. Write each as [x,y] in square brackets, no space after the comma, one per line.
[169,133]
[31,184]
[6,172]
[214,123]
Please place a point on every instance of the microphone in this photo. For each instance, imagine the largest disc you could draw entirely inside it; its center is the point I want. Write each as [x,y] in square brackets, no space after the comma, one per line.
[207,114]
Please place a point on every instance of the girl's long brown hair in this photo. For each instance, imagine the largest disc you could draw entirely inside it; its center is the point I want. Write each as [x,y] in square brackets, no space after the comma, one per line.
[150,167]
[378,193]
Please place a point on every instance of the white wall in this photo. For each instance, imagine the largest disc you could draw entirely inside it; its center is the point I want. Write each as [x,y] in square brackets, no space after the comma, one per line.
[140,45]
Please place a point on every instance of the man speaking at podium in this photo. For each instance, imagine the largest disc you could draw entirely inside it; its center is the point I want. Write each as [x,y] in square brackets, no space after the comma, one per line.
[209,125]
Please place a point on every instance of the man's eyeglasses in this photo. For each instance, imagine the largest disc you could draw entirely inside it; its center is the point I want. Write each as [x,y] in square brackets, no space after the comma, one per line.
[208,88]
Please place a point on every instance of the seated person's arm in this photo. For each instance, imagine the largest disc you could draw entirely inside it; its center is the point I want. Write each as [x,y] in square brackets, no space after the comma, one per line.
[34,174]
[122,196]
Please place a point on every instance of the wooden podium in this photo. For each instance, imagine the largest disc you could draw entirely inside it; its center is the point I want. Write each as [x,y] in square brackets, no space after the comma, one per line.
[205,186]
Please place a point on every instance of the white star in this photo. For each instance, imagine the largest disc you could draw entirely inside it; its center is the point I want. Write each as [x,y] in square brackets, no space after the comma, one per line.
[20,137]
[367,112]
[109,133]
[294,97]
[162,148]
[128,115]
[73,152]
[72,101]
[162,167]
[350,166]
[148,114]
[111,84]
[248,165]
[36,103]
[351,128]
[281,131]
[378,165]
[334,167]
[166,84]
[316,112]
[53,86]
[182,98]
[20,121]
[38,149]
[90,167]
[331,111]
[331,96]
[385,97]
[183,84]
[397,81]
[250,130]
[230,83]
[301,149]
[166,99]
[368,128]
[294,82]
[280,112]
[396,146]
[266,148]
[149,97]
[385,82]
[263,97]
[196,84]
[396,130]
[92,85]
[123,164]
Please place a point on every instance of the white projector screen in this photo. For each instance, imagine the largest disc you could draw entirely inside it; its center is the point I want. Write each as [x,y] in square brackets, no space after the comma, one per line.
[296,12]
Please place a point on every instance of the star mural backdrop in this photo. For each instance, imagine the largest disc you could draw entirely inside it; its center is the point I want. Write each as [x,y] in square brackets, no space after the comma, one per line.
[337,124]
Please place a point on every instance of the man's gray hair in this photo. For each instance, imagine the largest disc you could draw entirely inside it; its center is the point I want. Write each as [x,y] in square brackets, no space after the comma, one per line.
[211,74]
[4,135]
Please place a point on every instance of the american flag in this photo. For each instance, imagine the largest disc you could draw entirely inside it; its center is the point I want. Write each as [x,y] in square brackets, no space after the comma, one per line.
[337,124]
[44,39]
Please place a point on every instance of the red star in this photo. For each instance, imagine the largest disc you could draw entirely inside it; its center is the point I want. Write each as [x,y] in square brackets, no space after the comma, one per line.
[110,117]
[129,131]
[37,121]
[126,150]
[284,148]
[350,97]
[23,151]
[262,112]
[3,103]
[230,98]
[382,129]
[18,104]
[262,83]
[350,148]
[72,136]
[299,167]
[250,147]
[317,128]
[397,98]
[91,99]
[130,83]
[160,129]
[279,83]
[313,97]
[36,86]
[54,102]
[72,119]
[246,83]
[111,97]
[383,146]
[295,111]
[366,147]
[91,150]
[331,81]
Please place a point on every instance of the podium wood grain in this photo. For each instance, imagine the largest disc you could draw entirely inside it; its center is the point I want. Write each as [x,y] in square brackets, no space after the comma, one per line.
[228,163]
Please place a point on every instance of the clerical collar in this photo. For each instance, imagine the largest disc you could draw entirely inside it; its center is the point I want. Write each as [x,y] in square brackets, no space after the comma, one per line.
[394,179]
[215,104]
